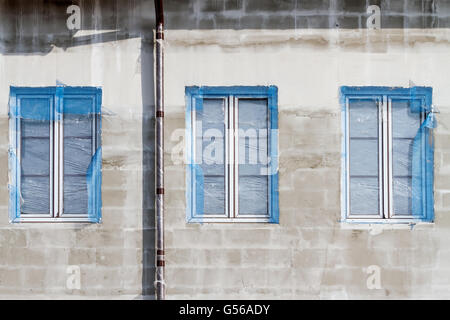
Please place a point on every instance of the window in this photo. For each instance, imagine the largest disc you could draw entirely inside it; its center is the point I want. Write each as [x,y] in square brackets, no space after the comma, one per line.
[388,154]
[55,154]
[232,173]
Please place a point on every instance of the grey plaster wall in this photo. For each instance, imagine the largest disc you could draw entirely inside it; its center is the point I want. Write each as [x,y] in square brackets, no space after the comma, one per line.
[32,28]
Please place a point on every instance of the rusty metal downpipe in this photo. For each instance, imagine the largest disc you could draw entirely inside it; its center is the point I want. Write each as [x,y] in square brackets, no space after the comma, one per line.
[160,286]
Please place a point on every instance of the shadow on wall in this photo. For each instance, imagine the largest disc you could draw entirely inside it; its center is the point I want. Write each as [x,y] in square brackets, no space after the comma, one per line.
[148,165]
[35,27]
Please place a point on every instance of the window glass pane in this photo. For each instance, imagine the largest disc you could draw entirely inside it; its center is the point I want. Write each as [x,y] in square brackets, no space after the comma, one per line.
[364,196]
[253,114]
[253,154]
[363,118]
[75,195]
[35,195]
[214,195]
[77,155]
[76,125]
[253,195]
[402,203]
[35,107]
[79,148]
[35,155]
[35,128]
[210,154]
[402,156]
[35,175]
[253,185]
[364,157]
[405,125]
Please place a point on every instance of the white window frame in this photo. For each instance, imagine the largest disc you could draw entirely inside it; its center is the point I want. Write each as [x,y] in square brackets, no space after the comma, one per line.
[231,142]
[385,155]
[56,152]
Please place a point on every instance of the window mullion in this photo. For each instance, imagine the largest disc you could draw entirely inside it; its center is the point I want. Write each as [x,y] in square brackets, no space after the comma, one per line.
[236,157]
[18,135]
[230,159]
[54,163]
[386,159]
[227,102]
[57,161]
[60,164]
[380,155]
[390,158]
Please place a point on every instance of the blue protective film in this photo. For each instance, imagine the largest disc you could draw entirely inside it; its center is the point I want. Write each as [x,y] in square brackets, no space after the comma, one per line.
[46,103]
[14,196]
[202,180]
[32,112]
[423,166]
[94,182]
[415,157]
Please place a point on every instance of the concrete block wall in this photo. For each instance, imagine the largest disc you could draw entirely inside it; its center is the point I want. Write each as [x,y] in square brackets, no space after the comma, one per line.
[114,256]
[309,254]
[46,19]
[31,27]
[299,14]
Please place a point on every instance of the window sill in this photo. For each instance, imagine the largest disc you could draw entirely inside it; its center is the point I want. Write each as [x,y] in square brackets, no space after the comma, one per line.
[55,220]
[376,226]
[232,220]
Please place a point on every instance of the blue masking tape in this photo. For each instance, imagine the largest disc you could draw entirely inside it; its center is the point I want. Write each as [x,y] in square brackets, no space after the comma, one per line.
[59,96]
[94,182]
[14,196]
[420,101]
[273,167]
[274,199]
[199,191]
[422,156]
[423,166]
[47,104]
[195,178]
[195,193]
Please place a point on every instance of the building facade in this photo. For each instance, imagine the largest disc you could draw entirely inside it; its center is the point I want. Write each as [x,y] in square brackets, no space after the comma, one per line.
[348,104]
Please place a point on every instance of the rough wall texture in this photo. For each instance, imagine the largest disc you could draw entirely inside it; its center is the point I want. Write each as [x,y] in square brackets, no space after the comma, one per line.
[298,14]
[34,257]
[310,254]
[34,26]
